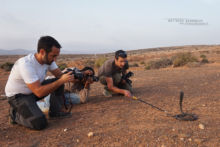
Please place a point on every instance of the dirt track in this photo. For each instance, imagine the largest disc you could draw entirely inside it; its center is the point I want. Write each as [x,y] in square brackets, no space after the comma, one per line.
[120,121]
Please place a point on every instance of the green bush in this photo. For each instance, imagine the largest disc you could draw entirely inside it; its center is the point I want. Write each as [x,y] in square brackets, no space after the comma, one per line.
[7,66]
[182,59]
[161,63]
[100,61]
[62,66]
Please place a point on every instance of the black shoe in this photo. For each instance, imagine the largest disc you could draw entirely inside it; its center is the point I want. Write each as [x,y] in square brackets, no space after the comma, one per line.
[12,114]
[60,115]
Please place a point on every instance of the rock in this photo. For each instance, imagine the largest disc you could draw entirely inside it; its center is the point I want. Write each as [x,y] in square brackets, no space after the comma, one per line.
[173,129]
[77,140]
[90,134]
[203,105]
[201,126]
[65,130]
[163,145]
[199,141]
[182,139]
[190,139]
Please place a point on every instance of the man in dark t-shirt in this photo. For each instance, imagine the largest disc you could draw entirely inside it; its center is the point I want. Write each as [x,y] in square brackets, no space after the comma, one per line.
[110,75]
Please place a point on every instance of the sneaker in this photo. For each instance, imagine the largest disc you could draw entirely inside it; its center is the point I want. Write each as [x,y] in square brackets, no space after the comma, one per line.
[12,114]
[60,115]
[107,93]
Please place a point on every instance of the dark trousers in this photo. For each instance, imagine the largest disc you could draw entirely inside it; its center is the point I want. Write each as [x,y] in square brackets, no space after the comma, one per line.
[116,82]
[25,111]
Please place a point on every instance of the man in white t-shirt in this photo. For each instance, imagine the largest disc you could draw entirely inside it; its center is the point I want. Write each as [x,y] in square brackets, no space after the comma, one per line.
[26,85]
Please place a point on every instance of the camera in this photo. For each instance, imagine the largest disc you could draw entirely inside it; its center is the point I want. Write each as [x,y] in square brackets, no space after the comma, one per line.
[80,76]
[127,76]
[94,78]
[77,74]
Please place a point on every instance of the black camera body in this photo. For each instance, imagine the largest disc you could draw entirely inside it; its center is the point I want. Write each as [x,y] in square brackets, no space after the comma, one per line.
[77,74]
[94,78]
[80,76]
[127,76]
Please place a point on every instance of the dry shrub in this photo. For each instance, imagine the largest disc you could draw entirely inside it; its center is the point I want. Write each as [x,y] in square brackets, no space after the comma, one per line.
[182,59]
[90,63]
[133,65]
[161,63]
[100,61]
[7,66]
[62,66]
[204,59]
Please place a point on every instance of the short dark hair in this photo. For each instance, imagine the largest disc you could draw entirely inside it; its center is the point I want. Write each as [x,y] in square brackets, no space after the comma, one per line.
[46,43]
[120,53]
[88,68]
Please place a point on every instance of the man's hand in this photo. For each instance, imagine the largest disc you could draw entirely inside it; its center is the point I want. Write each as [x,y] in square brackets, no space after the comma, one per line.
[68,77]
[127,93]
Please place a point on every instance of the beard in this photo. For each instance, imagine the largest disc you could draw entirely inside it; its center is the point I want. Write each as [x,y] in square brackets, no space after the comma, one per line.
[46,61]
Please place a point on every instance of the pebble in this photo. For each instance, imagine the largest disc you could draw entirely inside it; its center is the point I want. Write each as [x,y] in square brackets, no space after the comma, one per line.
[201,126]
[90,134]
[181,139]
[163,145]
[190,139]
[198,140]
[77,140]
[173,129]
[65,130]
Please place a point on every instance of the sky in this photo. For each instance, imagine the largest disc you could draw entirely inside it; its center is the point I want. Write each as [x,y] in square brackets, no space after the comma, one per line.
[101,26]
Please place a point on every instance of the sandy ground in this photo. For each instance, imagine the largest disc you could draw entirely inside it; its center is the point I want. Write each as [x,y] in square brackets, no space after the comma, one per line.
[120,121]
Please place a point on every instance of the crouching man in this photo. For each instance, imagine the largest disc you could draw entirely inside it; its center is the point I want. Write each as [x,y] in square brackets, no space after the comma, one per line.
[78,91]
[111,73]
[26,85]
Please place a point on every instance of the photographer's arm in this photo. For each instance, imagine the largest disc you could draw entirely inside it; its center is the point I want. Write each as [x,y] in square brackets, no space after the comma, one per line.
[57,73]
[43,90]
[116,89]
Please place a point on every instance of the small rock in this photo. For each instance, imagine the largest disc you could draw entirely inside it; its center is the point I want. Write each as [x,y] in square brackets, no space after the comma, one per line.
[173,129]
[203,105]
[190,139]
[182,139]
[199,141]
[77,140]
[201,126]
[163,145]
[65,130]
[90,134]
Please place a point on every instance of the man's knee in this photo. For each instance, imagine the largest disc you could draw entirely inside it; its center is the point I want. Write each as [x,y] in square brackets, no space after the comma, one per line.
[39,123]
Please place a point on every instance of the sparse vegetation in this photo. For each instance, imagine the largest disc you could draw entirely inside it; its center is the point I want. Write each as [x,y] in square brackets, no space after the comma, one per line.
[182,59]
[142,62]
[62,66]
[100,61]
[133,65]
[162,63]
[204,59]
[90,63]
[7,66]
[202,56]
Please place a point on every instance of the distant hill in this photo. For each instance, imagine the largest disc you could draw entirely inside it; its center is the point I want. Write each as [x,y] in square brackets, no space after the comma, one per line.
[15,52]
